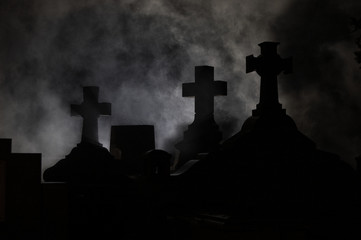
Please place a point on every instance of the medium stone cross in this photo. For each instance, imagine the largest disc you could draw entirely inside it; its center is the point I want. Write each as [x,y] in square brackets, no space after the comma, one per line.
[204,89]
[90,110]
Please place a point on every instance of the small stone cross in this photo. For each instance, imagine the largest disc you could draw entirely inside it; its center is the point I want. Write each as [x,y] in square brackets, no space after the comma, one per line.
[90,110]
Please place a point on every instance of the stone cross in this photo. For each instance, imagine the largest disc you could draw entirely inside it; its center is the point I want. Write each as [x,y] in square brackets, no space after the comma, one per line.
[204,89]
[203,134]
[268,65]
[5,152]
[90,110]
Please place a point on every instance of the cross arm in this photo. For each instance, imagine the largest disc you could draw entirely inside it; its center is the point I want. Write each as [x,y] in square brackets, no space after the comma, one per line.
[284,65]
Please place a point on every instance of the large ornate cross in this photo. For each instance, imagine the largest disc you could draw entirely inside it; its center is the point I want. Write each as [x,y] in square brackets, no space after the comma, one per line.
[268,65]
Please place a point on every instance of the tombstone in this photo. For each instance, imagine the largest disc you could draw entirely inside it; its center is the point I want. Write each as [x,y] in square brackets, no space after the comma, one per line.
[90,110]
[203,134]
[2,191]
[287,163]
[270,173]
[268,65]
[20,192]
[5,151]
[100,197]
[89,161]
[128,143]
[23,194]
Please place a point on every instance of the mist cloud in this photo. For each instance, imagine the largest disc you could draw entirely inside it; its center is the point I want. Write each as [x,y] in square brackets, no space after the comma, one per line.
[323,95]
[139,52]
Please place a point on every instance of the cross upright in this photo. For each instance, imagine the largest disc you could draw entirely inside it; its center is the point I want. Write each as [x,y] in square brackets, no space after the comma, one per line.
[268,65]
[204,89]
[90,110]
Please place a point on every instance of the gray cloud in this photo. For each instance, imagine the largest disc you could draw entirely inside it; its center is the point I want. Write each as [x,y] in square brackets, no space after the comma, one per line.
[323,92]
[138,53]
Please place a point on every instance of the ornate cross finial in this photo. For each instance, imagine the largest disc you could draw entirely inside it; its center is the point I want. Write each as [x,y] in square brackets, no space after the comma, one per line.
[90,110]
[268,65]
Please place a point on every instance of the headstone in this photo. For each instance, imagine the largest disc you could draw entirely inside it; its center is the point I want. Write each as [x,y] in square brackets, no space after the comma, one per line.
[86,164]
[5,151]
[89,161]
[269,173]
[2,191]
[23,195]
[268,65]
[128,143]
[90,110]
[20,200]
[203,134]
[98,195]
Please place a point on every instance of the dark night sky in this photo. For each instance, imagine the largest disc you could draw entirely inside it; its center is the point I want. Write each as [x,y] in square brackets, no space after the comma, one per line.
[140,51]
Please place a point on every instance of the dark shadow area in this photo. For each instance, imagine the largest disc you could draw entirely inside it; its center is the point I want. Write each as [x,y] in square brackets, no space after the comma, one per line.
[268,181]
[128,143]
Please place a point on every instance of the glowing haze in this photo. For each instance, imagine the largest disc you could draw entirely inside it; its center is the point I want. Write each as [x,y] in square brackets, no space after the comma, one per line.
[139,53]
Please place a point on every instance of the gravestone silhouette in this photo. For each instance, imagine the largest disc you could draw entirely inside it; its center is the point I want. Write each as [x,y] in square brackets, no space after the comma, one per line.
[90,110]
[98,192]
[203,134]
[23,201]
[5,151]
[89,161]
[268,65]
[20,192]
[270,174]
[288,165]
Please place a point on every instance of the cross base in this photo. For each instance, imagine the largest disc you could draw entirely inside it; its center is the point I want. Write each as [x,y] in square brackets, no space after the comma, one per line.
[200,137]
[269,110]
[87,142]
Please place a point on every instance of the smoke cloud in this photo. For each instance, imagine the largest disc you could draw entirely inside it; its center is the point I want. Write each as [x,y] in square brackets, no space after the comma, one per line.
[323,94]
[140,52]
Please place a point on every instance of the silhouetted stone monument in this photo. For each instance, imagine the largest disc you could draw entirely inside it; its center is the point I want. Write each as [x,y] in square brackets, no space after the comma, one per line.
[5,151]
[203,134]
[128,143]
[268,65]
[20,193]
[101,198]
[285,165]
[23,194]
[270,174]
[90,110]
[89,162]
